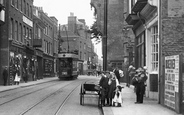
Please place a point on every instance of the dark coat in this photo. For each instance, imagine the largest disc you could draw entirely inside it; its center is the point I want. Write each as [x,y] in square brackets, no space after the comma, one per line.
[112,88]
[5,73]
[116,71]
[104,82]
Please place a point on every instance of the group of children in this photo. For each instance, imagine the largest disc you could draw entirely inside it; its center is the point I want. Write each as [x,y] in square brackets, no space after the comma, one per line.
[110,89]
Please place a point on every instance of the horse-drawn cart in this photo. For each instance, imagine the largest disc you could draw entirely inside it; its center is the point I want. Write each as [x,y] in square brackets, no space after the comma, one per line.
[90,89]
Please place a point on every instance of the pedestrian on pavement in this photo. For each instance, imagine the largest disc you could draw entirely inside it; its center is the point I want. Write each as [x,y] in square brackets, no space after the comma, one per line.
[117,100]
[112,86]
[116,71]
[17,75]
[140,86]
[5,75]
[105,87]
[131,73]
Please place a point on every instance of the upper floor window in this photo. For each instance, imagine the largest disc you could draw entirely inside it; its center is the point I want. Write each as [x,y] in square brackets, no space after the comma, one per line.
[24,7]
[11,28]
[39,33]
[16,30]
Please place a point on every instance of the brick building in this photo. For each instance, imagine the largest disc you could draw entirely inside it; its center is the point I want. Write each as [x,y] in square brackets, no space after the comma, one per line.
[158,28]
[120,38]
[21,44]
[79,41]
[17,35]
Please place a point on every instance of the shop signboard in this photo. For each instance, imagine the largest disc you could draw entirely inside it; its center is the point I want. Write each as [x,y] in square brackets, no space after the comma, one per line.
[172,84]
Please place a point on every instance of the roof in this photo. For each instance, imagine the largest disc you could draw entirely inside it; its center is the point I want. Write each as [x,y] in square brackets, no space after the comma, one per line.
[69,34]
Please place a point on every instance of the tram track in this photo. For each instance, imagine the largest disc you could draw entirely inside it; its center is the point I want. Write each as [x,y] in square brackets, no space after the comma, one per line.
[24,94]
[25,88]
[52,98]
[57,92]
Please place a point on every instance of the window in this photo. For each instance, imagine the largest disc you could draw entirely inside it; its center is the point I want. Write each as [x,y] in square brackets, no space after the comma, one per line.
[154,48]
[24,34]
[39,33]
[27,9]
[11,28]
[80,55]
[24,6]
[20,32]
[16,30]
[21,6]
[30,11]
[141,50]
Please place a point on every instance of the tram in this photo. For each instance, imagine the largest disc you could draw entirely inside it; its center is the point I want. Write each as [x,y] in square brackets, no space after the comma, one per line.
[68,65]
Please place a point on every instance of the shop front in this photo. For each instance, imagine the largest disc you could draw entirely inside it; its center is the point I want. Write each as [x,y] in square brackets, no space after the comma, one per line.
[39,64]
[15,60]
[29,65]
[48,66]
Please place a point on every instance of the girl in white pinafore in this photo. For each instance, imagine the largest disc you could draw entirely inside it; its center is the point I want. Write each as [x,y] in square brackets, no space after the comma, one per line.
[17,76]
[117,100]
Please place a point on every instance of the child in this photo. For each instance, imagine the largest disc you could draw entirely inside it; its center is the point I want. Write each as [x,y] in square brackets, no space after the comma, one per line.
[117,100]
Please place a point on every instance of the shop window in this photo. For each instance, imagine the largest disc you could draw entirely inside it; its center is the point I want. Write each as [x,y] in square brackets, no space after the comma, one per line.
[154,48]
[140,46]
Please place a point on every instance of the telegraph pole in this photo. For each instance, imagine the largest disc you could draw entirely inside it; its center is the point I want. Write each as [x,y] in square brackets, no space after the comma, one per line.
[104,41]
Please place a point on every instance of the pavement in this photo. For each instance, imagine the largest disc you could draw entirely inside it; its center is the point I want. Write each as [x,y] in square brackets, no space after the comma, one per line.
[149,107]
[29,83]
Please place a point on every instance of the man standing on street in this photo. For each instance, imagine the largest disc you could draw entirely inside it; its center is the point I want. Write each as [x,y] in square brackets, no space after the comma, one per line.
[5,75]
[116,71]
[105,87]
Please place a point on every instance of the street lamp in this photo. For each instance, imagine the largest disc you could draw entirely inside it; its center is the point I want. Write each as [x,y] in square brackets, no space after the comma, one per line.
[104,41]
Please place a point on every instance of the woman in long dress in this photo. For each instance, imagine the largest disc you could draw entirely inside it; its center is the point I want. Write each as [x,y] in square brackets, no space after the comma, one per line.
[17,76]
[112,86]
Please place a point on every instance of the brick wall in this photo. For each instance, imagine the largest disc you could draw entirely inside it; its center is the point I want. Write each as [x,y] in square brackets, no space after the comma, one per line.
[172,31]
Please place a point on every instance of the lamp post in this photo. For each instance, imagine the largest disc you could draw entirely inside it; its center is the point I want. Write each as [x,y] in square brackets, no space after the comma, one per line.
[104,41]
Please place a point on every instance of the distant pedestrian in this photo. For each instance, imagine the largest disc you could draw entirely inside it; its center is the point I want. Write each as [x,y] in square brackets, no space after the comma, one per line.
[131,73]
[17,76]
[116,71]
[5,75]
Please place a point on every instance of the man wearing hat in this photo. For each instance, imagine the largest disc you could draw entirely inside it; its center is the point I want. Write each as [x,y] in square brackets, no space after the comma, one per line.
[5,75]
[140,86]
[105,87]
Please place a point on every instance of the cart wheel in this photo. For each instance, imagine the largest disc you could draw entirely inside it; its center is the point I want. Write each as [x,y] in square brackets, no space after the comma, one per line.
[81,96]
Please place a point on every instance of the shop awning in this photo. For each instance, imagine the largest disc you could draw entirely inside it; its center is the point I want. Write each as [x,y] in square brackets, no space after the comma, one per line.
[140,4]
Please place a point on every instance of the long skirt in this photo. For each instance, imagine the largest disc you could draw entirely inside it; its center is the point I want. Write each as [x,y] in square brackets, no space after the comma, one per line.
[17,78]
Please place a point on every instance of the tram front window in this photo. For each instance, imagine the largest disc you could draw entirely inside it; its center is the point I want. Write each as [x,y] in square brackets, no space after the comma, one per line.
[64,63]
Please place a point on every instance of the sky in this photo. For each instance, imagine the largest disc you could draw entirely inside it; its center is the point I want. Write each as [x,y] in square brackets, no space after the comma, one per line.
[61,9]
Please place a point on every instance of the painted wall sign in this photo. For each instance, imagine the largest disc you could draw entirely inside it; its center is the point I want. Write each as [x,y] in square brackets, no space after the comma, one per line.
[175,8]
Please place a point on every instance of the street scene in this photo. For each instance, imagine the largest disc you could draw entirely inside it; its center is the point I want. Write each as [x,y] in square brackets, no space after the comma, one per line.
[51,96]
[91,57]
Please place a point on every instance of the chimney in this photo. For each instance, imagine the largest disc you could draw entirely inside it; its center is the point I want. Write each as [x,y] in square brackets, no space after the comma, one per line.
[72,20]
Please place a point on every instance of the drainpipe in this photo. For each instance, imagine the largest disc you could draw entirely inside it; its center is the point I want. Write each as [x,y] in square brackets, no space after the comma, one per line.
[159,53]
